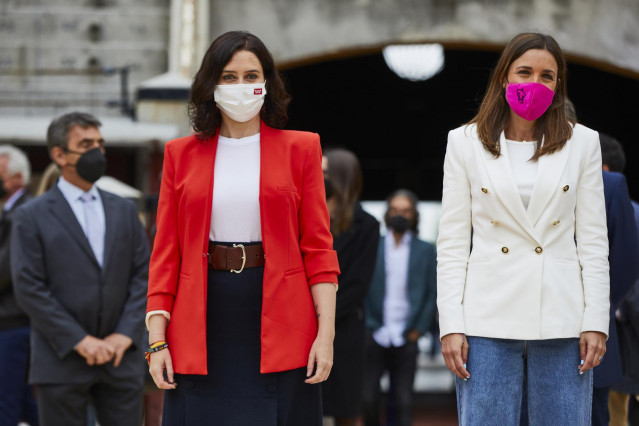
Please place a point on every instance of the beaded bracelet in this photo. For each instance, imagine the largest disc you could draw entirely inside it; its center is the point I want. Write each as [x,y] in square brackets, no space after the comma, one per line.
[155,347]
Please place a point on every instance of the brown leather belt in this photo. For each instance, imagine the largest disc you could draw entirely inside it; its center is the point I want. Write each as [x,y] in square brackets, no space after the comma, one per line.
[236,258]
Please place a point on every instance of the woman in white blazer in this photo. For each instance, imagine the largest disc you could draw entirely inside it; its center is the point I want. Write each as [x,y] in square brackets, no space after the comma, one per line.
[522,250]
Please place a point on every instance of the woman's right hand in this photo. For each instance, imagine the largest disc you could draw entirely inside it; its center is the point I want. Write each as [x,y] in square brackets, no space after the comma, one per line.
[159,362]
[455,351]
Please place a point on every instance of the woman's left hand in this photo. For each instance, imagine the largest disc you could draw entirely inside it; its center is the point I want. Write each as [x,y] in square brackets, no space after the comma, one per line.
[592,347]
[320,357]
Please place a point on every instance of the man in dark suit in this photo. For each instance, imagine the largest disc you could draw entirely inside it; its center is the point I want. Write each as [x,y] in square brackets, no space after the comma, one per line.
[16,396]
[79,261]
[399,307]
[624,252]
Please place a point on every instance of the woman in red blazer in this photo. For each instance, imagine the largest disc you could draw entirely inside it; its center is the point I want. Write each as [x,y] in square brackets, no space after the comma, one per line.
[241,300]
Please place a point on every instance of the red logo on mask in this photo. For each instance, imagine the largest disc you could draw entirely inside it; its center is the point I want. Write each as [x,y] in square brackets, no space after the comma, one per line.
[257,91]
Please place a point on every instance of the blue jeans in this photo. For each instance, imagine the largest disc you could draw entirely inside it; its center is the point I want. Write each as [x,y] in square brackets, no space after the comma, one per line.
[557,393]
[17,401]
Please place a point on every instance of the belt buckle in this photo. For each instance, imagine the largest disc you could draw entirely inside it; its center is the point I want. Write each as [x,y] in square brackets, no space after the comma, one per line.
[243,258]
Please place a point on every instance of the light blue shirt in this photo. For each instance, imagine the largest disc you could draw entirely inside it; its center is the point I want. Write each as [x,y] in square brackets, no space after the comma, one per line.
[12,200]
[72,194]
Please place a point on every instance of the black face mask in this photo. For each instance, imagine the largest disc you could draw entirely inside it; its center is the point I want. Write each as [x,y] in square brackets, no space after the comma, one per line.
[398,223]
[91,165]
[3,192]
[328,186]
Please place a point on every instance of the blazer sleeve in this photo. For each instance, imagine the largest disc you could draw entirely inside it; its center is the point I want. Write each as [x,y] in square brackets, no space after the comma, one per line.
[32,292]
[622,236]
[130,322]
[165,259]
[316,241]
[592,238]
[453,243]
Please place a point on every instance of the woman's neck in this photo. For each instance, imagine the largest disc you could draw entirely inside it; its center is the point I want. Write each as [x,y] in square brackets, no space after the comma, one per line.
[519,129]
[236,130]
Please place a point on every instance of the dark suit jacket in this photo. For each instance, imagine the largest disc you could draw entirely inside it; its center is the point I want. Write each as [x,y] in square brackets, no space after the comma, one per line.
[628,333]
[356,252]
[11,316]
[422,288]
[624,252]
[59,283]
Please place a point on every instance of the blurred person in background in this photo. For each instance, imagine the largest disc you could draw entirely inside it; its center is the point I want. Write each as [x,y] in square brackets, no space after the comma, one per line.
[399,308]
[355,239]
[17,401]
[79,262]
[523,284]
[610,407]
[243,275]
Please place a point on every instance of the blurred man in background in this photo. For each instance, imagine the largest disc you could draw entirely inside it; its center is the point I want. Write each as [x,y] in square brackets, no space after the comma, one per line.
[79,261]
[17,401]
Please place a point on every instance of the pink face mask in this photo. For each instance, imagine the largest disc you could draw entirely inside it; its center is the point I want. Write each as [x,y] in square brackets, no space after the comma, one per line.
[529,100]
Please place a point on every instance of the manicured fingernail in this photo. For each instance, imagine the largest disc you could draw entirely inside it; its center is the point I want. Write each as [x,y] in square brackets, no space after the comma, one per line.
[468,377]
[581,373]
[582,362]
[464,365]
[465,380]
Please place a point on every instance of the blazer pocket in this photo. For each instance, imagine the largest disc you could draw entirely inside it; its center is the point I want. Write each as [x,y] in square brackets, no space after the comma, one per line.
[287,188]
[294,271]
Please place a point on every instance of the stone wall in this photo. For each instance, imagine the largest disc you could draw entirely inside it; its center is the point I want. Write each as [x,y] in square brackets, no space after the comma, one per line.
[600,30]
[56,54]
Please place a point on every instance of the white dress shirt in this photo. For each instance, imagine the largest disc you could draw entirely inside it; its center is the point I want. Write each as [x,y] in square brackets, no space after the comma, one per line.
[524,171]
[396,305]
[72,194]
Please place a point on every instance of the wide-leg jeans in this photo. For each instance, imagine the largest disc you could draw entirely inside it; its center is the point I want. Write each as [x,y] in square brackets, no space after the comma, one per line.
[557,393]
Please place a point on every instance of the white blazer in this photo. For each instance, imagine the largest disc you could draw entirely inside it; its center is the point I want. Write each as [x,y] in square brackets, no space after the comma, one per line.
[540,273]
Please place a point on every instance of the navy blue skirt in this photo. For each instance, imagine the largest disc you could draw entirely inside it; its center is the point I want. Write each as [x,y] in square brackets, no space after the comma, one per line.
[235,393]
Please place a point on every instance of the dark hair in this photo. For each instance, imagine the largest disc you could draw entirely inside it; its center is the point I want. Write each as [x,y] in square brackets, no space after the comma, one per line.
[412,197]
[58,131]
[553,127]
[345,175]
[612,153]
[204,114]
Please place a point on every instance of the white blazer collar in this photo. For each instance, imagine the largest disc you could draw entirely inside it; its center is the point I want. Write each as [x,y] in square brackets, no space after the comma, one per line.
[549,172]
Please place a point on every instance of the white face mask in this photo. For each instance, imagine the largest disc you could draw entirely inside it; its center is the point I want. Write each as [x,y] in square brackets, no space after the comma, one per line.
[240,102]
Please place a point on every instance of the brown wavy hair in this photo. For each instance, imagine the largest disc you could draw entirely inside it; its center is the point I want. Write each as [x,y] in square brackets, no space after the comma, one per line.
[553,126]
[345,175]
[204,114]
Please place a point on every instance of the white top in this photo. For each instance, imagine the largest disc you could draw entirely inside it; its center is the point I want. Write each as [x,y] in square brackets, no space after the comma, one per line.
[396,305]
[73,196]
[524,171]
[236,191]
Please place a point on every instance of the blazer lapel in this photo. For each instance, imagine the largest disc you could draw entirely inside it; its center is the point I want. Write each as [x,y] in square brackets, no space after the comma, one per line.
[63,212]
[503,184]
[205,163]
[549,171]
[110,219]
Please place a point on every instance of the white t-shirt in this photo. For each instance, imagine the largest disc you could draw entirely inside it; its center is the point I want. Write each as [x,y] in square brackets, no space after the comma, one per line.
[524,172]
[235,216]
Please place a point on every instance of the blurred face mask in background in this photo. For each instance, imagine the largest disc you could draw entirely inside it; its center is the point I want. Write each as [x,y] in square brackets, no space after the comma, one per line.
[240,102]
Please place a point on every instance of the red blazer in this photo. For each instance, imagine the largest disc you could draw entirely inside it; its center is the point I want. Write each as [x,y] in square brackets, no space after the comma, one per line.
[295,235]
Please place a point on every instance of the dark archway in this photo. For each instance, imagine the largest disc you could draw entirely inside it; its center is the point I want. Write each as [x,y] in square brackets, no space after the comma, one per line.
[399,128]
